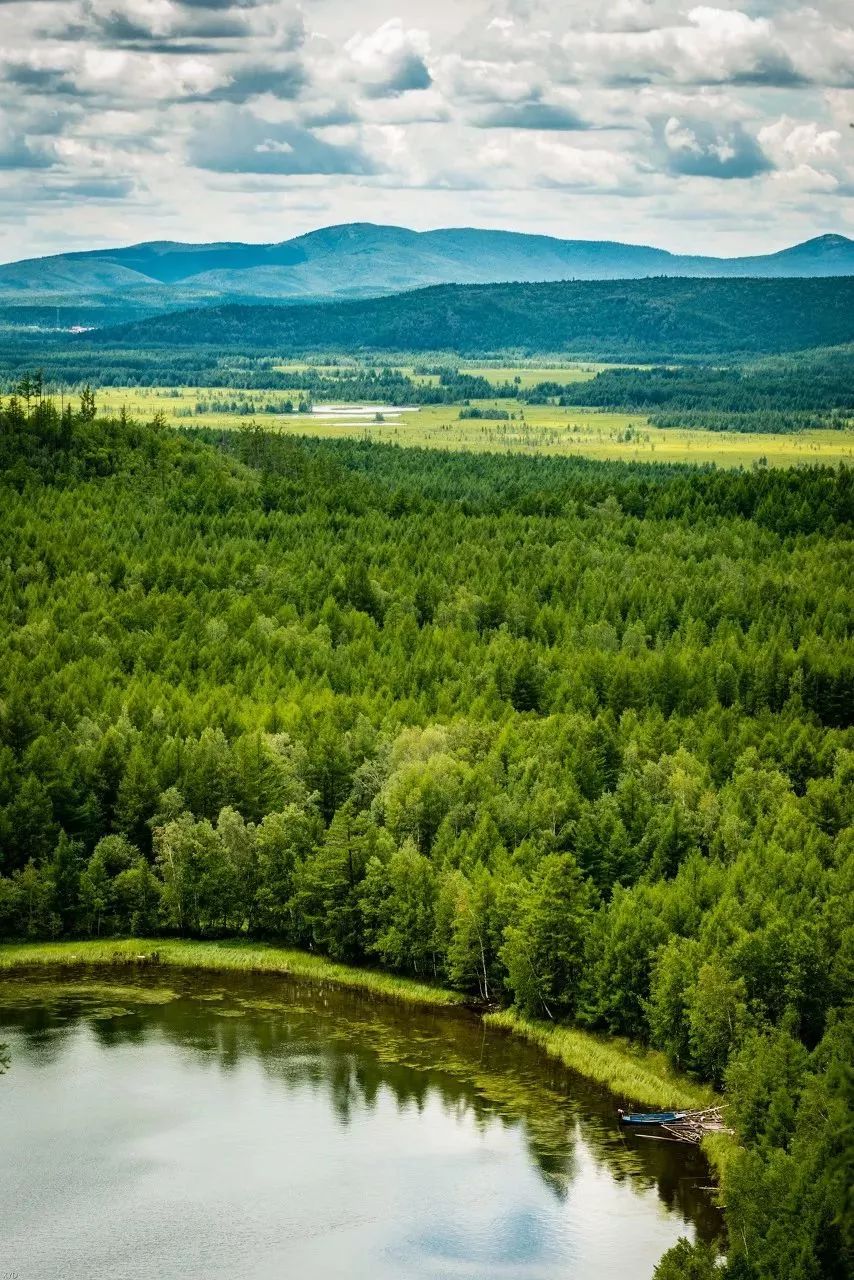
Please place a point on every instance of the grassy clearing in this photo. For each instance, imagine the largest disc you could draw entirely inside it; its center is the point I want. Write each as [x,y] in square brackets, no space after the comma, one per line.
[641,1075]
[496,371]
[179,404]
[530,375]
[535,429]
[221,957]
[567,432]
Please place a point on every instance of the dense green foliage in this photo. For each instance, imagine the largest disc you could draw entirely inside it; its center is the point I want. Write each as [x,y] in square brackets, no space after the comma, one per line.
[620,319]
[384,384]
[568,734]
[66,364]
[71,367]
[815,389]
[823,380]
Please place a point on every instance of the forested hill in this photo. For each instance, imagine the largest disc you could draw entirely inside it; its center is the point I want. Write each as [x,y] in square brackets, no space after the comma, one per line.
[569,735]
[619,319]
[366,259]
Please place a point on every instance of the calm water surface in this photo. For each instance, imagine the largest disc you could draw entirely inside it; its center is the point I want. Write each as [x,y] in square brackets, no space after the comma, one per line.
[186,1127]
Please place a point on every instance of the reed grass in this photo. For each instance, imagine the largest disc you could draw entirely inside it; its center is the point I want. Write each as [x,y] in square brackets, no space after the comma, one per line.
[626,1070]
[222,957]
[720,1149]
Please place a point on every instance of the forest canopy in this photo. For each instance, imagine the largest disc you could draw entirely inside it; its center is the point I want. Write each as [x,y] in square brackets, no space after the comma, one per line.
[613,319]
[570,735]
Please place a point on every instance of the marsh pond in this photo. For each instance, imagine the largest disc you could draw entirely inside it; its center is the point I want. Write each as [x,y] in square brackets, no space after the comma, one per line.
[167,1124]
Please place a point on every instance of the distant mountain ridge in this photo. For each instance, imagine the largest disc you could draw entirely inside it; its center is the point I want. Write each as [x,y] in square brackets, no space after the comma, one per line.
[612,319]
[363,260]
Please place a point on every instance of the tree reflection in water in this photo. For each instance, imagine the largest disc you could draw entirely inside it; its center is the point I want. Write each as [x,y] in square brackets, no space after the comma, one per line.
[360,1052]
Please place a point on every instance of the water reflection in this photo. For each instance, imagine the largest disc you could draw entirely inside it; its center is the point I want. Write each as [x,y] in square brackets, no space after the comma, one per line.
[401,1142]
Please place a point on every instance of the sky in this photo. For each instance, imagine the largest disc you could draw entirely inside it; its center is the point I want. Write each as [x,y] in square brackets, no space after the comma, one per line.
[713,128]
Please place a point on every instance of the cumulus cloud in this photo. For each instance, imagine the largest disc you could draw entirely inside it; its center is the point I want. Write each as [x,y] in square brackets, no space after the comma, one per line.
[39,80]
[250,79]
[235,140]
[709,46]
[145,23]
[175,114]
[721,45]
[585,169]
[116,74]
[178,25]
[482,80]
[222,4]
[700,148]
[534,114]
[391,60]
[793,142]
[17,151]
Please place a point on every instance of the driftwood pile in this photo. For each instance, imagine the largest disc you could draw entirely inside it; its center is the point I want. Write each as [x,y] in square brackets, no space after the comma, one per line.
[683,1126]
[692,1126]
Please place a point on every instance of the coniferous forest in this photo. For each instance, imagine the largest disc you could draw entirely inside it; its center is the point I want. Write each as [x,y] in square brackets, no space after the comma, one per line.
[560,734]
[637,318]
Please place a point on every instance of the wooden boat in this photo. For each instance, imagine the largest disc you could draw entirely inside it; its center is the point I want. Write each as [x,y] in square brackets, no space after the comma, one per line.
[650,1117]
[677,1126]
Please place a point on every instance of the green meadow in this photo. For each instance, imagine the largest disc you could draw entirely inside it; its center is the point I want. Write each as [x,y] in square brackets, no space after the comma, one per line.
[532,429]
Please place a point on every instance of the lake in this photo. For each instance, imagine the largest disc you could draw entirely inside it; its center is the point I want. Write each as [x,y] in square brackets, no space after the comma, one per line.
[164,1124]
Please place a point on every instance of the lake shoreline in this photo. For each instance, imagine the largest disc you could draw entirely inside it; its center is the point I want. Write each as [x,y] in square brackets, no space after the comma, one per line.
[627,1070]
[350,1128]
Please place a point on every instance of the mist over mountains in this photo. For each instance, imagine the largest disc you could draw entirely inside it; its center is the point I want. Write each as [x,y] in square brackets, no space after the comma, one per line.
[356,260]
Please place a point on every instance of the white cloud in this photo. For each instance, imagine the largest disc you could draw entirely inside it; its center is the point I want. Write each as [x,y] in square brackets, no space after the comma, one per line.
[805,179]
[709,46]
[236,140]
[481,80]
[456,111]
[703,148]
[390,60]
[587,169]
[117,74]
[791,142]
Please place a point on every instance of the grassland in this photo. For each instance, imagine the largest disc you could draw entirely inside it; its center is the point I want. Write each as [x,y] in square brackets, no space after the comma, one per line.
[544,429]
[528,374]
[625,1069]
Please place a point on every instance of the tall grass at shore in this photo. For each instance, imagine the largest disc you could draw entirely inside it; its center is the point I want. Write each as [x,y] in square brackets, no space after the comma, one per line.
[626,1070]
[227,956]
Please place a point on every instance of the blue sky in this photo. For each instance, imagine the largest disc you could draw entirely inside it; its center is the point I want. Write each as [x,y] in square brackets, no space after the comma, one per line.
[717,128]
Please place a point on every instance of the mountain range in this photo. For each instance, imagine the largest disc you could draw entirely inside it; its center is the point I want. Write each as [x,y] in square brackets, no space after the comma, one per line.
[611,319]
[356,260]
